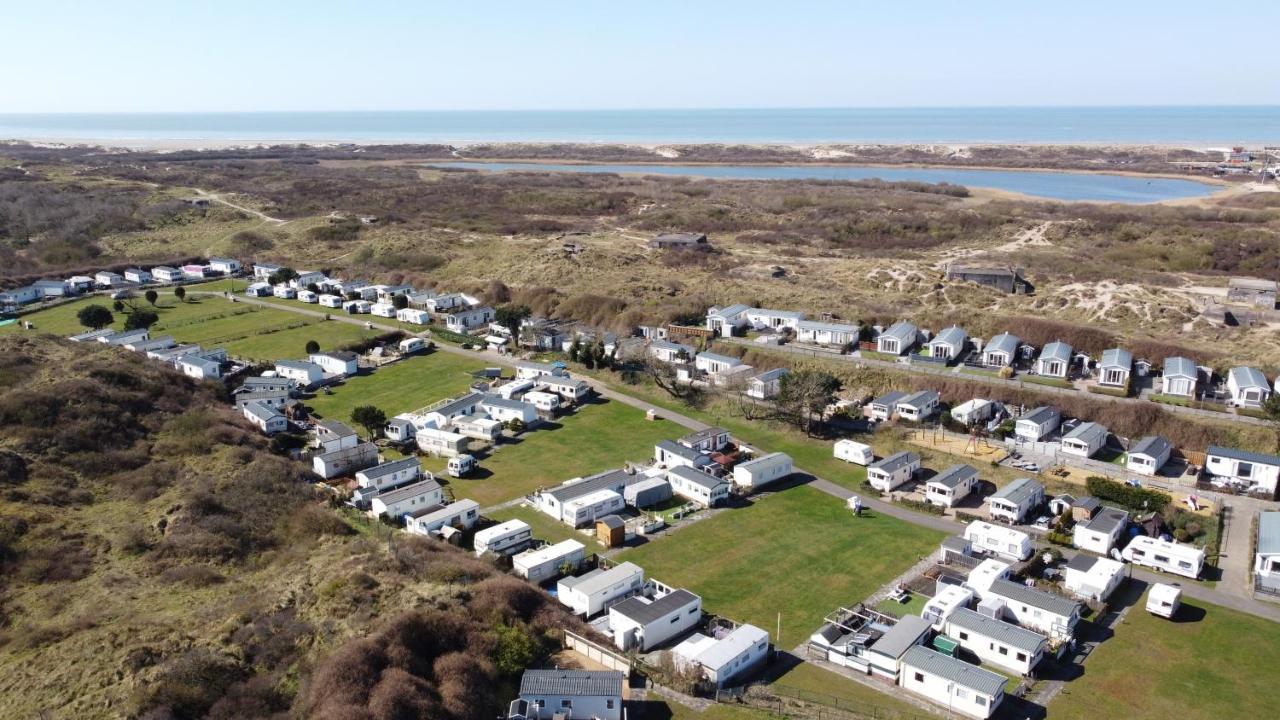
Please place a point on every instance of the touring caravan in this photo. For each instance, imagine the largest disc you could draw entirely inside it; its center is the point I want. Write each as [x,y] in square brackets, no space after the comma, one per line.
[1164,600]
[1164,555]
[854,452]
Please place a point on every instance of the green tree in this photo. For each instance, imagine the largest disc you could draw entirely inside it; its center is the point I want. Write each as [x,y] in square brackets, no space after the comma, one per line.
[369,417]
[95,316]
[283,275]
[510,317]
[140,320]
[515,425]
[313,347]
[152,296]
[400,302]
[180,293]
[1271,406]
[515,650]
[313,288]
[118,306]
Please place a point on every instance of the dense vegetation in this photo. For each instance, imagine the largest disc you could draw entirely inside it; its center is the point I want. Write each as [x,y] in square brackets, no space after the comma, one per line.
[157,561]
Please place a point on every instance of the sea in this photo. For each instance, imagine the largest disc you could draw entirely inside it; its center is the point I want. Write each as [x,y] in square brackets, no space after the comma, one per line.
[1171,125]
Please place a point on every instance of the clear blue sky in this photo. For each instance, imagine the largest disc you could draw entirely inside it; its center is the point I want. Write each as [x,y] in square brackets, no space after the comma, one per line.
[235,55]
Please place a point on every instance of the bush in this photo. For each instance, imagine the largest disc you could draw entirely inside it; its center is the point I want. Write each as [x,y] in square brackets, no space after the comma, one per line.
[1134,499]
[921,506]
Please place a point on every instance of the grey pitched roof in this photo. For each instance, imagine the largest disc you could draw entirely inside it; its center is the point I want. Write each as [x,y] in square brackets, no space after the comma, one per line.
[955,542]
[262,411]
[1152,445]
[954,336]
[1004,342]
[299,365]
[956,671]
[599,481]
[501,402]
[601,578]
[716,357]
[901,636]
[903,330]
[1269,532]
[390,468]
[646,612]
[1117,357]
[1245,455]
[674,448]
[337,427]
[1108,520]
[1018,638]
[1248,377]
[1087,502]
[731,310]
[918,399]
[456,406]
[697,477]
[343,355]
[1180,367]
[829,632]
[954,475]
[770,375]
[1041,415]
[1056,350]
[1031,597]
[895,461]
[889,399]
[698,436]
[819,326]
[1018,490]
[422,487]
[580,683]
[1088,432]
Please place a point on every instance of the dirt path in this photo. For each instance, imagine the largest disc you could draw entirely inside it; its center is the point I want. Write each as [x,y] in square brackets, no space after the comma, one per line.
[215,197]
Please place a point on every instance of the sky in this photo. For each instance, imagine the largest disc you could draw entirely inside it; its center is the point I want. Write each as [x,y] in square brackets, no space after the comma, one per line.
[287,55]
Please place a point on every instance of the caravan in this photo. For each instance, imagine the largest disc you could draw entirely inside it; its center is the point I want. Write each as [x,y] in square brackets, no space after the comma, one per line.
[854,452]
[1164,555]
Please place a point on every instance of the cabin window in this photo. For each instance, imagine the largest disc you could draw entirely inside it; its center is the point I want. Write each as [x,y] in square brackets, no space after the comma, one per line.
[919,677]
[964,636]
[675,620]
[1244,470]
[566,703]
[608,704]
[1022,657]
[982,702]
[1003,650]
[962,693]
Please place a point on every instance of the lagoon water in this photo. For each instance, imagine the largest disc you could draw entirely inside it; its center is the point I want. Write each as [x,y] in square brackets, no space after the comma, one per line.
[1067,186]
[1197,126]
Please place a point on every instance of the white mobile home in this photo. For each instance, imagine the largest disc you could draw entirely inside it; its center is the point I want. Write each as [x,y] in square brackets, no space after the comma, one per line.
[1180,378]
[951,485]
[727,660]
[1101,532]
[670,454]
[528,370]
[1001,351]
[571,389]
[1092,578]
[460,515]
[401,501]
[357,307]
[381,309]
[591,594]
[1005,645]
[345,461]
[543,402]
[762,471]
[885,406]
[464,321]
[767,384]
[766,319]
[1054,360]
[554,501]
[1248,387]
[200,367]
[1013,502]
[1115,368]
[1250,471]
[305,374]
[826,334]
[308,297]
[949,598]
[1037,424]
[413,316]
[591,507]
[548,694]
[999,540]
[441,443]
[898,469]
[714,363]
[390,474]
[1148,455]
[697,486]
[642,624]
[136,275]
[544,563]
[898,338]
[331,435]
[224,265]
[505,410]
[966,689]
[653,490]
[727,321]
[973,411]
[854,452]
[949,344]
[919,406]
[266,418]
[1163,555]
[1085,440]
[1039,610]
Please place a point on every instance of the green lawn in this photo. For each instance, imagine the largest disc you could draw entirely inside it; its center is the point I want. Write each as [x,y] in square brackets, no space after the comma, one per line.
[400,387]
[829,688]
[247,331]
[597,437]
[1050,381]
[544,527]
[799,552]
[1213,663]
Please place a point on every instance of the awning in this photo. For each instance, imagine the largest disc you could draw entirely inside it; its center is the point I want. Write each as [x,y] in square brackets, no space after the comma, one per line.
[496,339]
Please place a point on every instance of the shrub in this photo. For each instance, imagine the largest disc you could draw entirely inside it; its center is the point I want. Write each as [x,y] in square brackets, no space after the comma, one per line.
[921,506]
[1134,499]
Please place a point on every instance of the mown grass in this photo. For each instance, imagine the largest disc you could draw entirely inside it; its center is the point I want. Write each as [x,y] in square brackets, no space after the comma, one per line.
[1209,663]
[400,387]
[798,552]
[596,437]
[544,526]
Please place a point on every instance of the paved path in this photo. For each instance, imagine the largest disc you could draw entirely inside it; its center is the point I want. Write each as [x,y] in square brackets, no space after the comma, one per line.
[1221,595]
[953,372]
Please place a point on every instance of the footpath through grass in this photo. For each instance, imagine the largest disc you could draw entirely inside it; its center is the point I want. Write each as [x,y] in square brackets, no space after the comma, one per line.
[1209,663]
[799,552]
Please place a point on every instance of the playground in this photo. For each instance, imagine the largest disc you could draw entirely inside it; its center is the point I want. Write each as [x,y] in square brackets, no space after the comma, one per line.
[967,446]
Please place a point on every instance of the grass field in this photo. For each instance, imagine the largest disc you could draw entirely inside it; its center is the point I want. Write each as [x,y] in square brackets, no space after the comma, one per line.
[798,551]
[246,331]
[544,527]
[1212,663]
[401,387]
[597,437]
[833,689]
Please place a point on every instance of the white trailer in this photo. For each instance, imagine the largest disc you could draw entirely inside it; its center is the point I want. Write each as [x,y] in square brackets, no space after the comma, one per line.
[591,507]
[762,471]
[999,540]
[854,452]
[540,565]
[505,538]
[1164,600]
[1163,555]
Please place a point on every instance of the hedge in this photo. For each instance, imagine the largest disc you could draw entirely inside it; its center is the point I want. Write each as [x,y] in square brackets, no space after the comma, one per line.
[1135,499]
[921,506]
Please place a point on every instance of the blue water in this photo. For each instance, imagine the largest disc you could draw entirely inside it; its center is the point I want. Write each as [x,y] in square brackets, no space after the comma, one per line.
[1216,125]
[1067,186]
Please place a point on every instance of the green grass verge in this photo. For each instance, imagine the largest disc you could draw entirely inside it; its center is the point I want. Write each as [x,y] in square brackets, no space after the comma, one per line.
[1050,381]
[832,689]
[597,437]
[1184,402]
[799,552]
[1211,663]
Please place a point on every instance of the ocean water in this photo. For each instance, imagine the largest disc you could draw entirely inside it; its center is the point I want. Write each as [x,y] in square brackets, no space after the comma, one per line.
[1066,186]
[1197,126]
